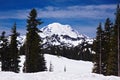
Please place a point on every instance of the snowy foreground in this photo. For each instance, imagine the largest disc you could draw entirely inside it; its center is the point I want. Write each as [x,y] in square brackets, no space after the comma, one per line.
[75,70]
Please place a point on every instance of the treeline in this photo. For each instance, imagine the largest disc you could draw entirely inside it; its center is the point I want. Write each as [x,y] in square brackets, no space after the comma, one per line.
[107,47]
[80,52]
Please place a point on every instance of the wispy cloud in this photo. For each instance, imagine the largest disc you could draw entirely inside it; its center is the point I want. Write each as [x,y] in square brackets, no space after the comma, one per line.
[88,11]
[14,14]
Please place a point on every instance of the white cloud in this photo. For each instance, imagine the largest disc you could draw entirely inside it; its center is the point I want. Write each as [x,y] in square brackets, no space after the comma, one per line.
[15,14]
[77,12]
[88,11]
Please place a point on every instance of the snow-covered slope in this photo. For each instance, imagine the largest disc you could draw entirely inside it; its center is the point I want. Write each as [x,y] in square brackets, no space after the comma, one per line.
[75,70]
[59,63]
[73,66]
[54,76]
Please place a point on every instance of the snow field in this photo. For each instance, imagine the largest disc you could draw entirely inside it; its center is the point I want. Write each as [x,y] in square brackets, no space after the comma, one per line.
[75,70]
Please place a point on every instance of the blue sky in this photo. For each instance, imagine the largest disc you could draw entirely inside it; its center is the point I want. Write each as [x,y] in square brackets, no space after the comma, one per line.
[83,15]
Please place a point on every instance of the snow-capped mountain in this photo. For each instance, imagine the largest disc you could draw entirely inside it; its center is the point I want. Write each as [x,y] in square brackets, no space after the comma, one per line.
[59,29]
[58,34]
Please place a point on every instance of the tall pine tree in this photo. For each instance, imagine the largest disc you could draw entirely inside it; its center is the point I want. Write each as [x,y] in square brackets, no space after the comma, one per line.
[13,51]
[113,67]
[97,47]
[106,45]
[34,59]
[117,25]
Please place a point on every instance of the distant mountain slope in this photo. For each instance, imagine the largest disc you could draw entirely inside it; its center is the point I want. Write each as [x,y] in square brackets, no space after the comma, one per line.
[59,34]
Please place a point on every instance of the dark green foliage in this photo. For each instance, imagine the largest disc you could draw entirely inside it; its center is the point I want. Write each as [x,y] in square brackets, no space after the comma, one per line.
[22,50]
[34,59]
[4,49]
[106,45]
[106,50]
[85,51]
[13,51]
[80,52]
[109,48]
[97,47]
[32,22]
[112,67]
[111,44]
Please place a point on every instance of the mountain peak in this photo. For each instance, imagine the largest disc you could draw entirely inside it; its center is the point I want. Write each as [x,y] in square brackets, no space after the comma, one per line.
[55,24]
[60,29]
[58,34]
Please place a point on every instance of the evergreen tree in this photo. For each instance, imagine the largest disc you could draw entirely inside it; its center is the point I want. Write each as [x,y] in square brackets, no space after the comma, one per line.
[112,68]
[106,45]
[4,49]
[13,51]
[97,47]
[113,62]
[22,50]
[117,24]
[34,59]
